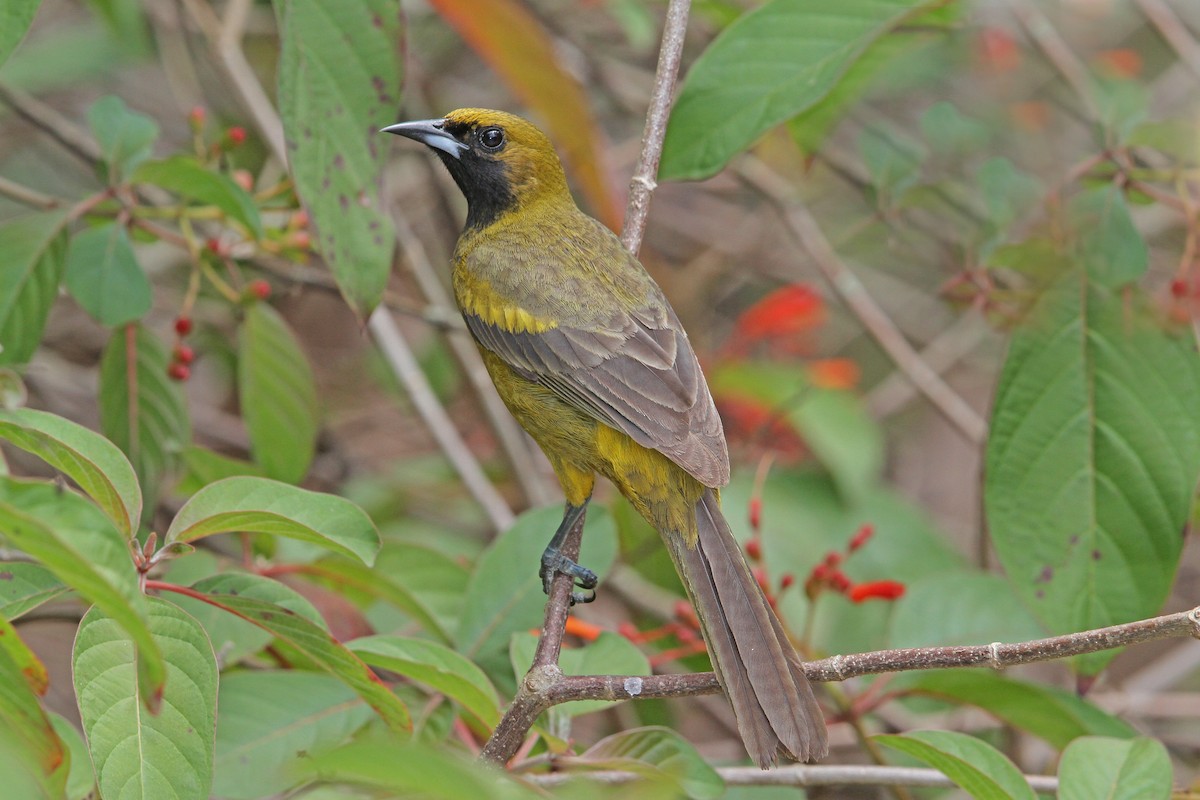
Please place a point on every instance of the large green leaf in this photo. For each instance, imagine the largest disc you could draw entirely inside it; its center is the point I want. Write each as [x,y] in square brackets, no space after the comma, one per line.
[1056,715]
[140,756]
[960,607]
[1115,769]
[32,257]
[15,19]
[436,666]
[973,764]
[505,594]
[773,63]
[141,410]
[339,83]
[260,505]
[74,540]
[269,719]
[93,462]
[315,642]
[81,782]
[656,752]
[277,394]
[25,586]
[233,637]
[104,277]
[186,177]
[22,678]
[1106,240]
[1093,459]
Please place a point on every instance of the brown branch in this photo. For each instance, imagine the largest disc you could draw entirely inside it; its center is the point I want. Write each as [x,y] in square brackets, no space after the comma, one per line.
[544,676]
[27,196]
[1172,29]
[808,234]
[642,185]
[795,775]
[546,686]
[74,138]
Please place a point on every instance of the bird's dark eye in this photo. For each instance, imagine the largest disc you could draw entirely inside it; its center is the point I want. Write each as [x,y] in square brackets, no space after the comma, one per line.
[491,138]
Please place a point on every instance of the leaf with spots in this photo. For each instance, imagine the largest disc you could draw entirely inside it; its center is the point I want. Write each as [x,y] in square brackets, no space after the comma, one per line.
[339,82]
[22,679]
[140,756]
[1093,459]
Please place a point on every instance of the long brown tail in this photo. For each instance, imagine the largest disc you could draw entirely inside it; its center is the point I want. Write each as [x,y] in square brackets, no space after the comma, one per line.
[756,665]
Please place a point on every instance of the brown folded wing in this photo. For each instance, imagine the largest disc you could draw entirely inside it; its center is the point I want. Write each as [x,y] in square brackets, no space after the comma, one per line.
[637,373]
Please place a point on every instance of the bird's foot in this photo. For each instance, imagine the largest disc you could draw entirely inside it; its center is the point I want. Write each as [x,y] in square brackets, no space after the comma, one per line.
[554,562]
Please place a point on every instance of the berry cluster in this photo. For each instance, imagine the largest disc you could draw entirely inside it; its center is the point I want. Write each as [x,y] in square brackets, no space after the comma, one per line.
[182,356]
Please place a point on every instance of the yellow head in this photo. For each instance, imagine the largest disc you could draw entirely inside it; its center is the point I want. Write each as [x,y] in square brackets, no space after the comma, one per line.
[501,162]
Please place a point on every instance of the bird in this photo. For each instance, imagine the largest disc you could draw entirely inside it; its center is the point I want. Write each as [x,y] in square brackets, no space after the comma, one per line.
[592,361]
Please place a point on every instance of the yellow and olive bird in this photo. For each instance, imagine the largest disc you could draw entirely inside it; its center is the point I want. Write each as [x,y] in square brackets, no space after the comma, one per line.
[590,358]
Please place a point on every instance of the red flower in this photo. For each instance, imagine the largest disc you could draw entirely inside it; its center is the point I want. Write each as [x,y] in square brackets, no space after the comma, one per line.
[882,590]
[860,538]
[833,373]
[783,312]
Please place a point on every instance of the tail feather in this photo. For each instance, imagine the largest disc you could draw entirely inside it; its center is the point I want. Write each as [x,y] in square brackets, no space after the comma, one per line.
[753,659]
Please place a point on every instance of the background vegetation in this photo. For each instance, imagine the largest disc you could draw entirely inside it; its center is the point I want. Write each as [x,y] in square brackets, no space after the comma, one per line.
[267,532]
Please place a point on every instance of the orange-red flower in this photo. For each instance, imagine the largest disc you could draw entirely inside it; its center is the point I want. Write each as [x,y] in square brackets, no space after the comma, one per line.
[877,590]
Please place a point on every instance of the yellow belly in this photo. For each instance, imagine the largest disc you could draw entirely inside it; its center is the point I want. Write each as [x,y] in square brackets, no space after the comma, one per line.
[578,447]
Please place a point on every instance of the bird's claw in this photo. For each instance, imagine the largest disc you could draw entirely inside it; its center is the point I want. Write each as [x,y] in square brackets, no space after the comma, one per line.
[554,562]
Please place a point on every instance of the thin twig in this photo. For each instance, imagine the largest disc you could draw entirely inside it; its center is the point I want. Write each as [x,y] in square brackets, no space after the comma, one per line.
[74,138]
[27,196]
[545,675]
[1047,38]
[847,285]
[642,185]
[402,361]
[1172,29]
[794,775]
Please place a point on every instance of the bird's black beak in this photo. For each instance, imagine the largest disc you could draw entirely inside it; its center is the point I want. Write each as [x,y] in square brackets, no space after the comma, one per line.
[429,132]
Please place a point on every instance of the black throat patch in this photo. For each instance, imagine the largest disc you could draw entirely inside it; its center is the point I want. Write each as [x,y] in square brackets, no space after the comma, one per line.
[485,183]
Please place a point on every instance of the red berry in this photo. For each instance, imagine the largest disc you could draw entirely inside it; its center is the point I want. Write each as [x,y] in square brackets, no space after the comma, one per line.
[184,354]
[786,581]
[179,372]
[754,548]
[1179,288]
[213,245]
[259,288]
[243,178]
[236,134]
[183,325]
[756,513]
[196,118]
[832,559]
[302,240]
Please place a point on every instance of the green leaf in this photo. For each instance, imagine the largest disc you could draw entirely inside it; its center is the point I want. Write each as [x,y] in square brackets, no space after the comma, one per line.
[951,133]
[892,159]
[141,409]
[505,594]
[259,505]
[104,277]
[22,679]
[277,395]
[269,719]
[25,586]
[1056,715]
[232,637]
[75,541]
[412,770]
[206,466]
[126,137]
[813,126]
[185,176]
[93,462]
[326,652]
[1115,769]
[609,654]
[339,83]
[978,768]
[1107,242]
[15,18]
[1097,416]
[33,256]
[164,756]
[833,423]
[423,583]
[658,751]
[772,64]
[960,607]
[81,783]
[436,666]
